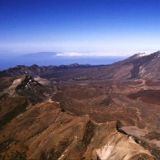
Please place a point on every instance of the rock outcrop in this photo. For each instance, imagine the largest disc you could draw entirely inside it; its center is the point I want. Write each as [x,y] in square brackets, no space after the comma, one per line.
[45,132]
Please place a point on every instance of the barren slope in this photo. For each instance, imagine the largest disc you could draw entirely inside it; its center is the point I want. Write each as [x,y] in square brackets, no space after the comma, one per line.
[81,112]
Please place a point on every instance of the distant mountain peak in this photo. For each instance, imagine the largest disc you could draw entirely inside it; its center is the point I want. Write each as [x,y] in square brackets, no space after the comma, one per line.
[138,55]
[141,54]
[157,54]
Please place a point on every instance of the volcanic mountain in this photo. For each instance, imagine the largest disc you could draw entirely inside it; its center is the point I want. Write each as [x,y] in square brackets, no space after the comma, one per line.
[135,67]
[75,112]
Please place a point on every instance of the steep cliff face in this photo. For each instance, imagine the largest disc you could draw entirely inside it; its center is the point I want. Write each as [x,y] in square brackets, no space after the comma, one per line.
[45,132]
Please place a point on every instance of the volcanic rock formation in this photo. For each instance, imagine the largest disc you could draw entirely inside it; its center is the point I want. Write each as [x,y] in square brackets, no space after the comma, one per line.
[75,112]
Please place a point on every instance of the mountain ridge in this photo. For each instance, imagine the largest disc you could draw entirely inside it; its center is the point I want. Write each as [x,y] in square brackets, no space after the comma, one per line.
[130,68]
[104,112]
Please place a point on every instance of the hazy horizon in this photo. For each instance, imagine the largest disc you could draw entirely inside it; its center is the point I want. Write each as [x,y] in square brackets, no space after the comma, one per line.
[106,27]
[55,59]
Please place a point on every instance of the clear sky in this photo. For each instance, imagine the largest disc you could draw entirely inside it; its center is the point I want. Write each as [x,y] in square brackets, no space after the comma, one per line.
[104,27]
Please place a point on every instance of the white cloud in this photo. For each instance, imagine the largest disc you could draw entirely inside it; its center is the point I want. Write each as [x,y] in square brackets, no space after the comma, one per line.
[109,47]
[71,54]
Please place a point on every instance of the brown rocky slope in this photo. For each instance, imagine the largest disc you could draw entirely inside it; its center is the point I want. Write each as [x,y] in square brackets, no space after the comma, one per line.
[45,132]
[81,112]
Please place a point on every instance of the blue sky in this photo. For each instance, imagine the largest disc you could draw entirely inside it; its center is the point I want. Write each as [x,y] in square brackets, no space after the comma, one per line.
[80,27]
